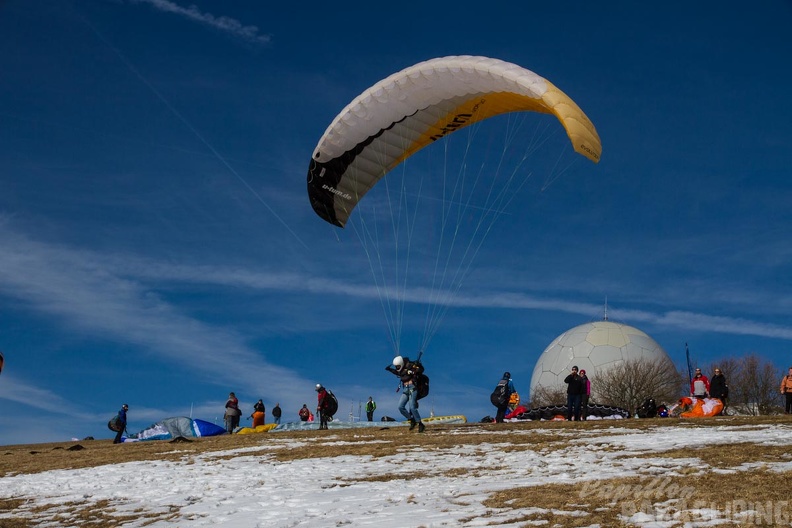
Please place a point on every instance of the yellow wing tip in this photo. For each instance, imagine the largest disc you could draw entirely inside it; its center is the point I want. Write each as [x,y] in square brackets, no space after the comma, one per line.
[592,152]
[579,127]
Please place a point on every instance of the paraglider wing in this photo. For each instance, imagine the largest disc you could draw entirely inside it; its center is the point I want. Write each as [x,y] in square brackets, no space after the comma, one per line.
[417,106]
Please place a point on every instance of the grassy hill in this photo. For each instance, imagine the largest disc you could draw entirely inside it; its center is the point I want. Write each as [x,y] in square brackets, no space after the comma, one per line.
[551,501]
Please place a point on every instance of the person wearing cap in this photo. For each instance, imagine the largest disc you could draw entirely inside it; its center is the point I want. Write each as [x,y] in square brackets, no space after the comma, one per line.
[322,405]
[699,385]
[122,419]
[786,390]
[509,384]
[584,398]
[575,390]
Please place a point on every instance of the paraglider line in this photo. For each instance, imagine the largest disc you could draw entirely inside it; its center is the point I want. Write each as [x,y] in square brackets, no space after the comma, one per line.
[191,128]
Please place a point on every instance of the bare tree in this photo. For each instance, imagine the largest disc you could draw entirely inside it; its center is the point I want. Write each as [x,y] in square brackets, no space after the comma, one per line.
[729,367]
[543,396]
[631,382]
[754,386]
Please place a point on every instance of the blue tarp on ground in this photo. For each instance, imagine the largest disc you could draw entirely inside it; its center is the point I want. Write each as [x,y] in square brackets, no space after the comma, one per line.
[177,426]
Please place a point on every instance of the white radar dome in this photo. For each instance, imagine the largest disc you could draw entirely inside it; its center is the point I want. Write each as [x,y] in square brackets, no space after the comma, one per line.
[593,347]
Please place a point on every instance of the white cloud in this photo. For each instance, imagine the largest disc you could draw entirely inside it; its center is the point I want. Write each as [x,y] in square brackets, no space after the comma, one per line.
[119,298]
[223,23]
[82,291]
[509,300]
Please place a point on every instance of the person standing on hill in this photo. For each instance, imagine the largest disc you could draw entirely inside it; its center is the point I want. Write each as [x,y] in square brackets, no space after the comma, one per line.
[259,413]
[122,421]
[304,413]
[232,413]
[584,398]
[322,405]
[276,413]
[575,390]
[371,406]
[719,389]
[505,389]
[786,390]
[700,385]
[408,373]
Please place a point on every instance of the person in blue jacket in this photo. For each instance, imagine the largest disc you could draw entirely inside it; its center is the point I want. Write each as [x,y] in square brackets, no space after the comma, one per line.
[122,419]
[506,380]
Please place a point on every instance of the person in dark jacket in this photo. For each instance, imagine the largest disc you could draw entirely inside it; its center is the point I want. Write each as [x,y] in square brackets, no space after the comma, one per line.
[276,413]
[122,420]
[408,372]
[575,389]
[718,388]
[259,413]
[322,405]
[506,380]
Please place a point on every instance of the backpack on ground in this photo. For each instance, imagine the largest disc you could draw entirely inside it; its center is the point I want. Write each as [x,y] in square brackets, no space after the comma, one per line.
[648,409]
[332,404]
[115,424]
[500,396]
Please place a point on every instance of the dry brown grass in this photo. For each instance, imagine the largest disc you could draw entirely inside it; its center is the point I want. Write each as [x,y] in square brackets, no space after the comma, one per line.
[606,500]
[556,504]
[35,458]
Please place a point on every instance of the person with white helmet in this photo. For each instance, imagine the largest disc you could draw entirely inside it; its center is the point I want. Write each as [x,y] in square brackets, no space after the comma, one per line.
[408,372]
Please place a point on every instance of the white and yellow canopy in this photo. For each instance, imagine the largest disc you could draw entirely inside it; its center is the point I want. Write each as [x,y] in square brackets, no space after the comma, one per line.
[419,105]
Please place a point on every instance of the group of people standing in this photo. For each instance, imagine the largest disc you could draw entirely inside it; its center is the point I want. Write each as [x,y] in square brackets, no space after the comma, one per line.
[703,387]
[578,393]
[323,403]
[233,413]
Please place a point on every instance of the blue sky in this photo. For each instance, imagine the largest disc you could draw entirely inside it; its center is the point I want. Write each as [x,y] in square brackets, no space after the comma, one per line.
[158,247]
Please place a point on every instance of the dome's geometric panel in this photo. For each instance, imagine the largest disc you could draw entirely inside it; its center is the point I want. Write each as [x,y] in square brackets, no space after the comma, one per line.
[598,336]
[606,354]
[574,338]
[560,358]
[584,349]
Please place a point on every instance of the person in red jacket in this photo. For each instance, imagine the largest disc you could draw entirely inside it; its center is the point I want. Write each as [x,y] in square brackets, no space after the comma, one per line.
[232,413]
[323,404]
[700,385]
